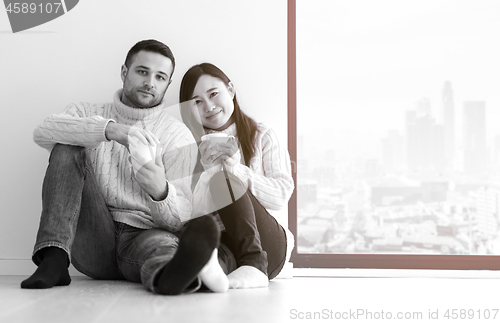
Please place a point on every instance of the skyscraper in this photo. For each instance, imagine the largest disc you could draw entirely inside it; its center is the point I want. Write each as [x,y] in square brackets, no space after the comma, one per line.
[393,151]
[487,202]
[475,155]
[448,107]
[425,139]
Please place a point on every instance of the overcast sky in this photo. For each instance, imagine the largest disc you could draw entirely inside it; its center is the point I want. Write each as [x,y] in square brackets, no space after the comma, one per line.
[377,58]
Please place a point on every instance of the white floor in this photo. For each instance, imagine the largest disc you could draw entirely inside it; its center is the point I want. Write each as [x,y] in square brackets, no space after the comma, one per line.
[350,296]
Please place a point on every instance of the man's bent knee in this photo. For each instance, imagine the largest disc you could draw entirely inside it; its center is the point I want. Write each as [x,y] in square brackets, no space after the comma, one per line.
[67,153]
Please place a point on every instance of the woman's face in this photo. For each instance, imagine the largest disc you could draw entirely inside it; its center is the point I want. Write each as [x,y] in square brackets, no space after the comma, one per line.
[214,101]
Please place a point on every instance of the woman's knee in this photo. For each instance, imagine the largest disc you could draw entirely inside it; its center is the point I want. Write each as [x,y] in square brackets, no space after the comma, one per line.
[219,185]
[217,181]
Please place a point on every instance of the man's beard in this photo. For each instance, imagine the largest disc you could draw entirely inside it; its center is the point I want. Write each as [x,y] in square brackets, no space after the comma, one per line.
[136,98]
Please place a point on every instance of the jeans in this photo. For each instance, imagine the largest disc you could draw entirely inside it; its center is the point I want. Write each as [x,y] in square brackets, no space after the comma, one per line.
[75,217]
[251,234]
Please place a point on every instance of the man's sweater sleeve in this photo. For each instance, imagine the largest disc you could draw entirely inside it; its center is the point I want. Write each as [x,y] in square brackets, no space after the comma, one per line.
[77,125]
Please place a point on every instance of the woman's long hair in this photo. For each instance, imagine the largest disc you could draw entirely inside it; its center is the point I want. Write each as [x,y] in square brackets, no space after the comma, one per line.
[246,127]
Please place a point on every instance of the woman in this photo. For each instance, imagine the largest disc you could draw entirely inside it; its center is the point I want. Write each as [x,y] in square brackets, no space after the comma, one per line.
[243,182]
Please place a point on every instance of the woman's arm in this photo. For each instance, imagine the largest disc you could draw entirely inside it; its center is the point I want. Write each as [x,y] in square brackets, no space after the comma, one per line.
[274,188]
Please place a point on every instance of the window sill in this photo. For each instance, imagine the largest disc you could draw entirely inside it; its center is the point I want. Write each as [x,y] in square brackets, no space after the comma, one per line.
[394,273]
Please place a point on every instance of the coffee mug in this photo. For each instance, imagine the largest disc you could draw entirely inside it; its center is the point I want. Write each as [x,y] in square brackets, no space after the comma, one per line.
[216,137]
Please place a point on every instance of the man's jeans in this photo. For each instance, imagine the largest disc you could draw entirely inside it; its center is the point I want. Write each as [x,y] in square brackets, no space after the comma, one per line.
[75,218]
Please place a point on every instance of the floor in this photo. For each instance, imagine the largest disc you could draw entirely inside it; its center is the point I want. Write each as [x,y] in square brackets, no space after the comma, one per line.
[360,296]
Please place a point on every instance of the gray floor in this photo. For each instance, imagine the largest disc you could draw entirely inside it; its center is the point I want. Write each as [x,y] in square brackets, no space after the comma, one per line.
[309,299]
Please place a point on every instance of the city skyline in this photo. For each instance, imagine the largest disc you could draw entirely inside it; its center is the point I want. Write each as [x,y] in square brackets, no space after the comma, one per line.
[367,142]
[397,112]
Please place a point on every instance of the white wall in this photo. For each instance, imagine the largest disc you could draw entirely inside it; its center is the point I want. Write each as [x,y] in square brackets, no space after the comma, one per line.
[77,57]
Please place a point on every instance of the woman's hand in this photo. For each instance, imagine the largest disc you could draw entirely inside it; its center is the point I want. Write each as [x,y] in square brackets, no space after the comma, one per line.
[209,156]
[229,152]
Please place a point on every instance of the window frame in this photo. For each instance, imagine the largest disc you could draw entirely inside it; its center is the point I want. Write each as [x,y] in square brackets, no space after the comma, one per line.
[372,261]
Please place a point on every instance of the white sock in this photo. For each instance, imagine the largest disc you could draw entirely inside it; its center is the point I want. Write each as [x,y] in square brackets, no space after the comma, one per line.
[247,277]
[213,276]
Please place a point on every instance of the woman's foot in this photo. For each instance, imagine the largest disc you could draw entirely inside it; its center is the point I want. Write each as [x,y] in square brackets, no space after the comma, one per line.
[247,277]
[212,275]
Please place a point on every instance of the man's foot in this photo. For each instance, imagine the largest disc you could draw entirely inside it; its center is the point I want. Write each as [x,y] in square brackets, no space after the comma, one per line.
[213,276]
[52,271]
[196,245]
[247,277]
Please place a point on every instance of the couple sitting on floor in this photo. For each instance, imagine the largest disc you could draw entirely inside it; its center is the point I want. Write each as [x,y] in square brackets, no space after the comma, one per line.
[188,214]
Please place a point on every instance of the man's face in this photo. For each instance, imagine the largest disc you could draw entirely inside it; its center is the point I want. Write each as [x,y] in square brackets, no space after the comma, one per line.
[146,80]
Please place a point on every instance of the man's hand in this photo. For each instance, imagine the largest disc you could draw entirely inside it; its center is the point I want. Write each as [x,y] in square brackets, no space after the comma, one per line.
[151,177]
[121,133]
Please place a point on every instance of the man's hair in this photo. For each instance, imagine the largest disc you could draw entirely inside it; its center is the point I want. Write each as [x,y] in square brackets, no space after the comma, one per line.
[150,45]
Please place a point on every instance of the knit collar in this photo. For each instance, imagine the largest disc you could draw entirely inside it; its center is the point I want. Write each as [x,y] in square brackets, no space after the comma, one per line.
[231,130]
[131,115]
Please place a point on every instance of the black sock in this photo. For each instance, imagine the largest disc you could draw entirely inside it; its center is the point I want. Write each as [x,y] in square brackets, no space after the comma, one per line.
[196,244]
[52,271]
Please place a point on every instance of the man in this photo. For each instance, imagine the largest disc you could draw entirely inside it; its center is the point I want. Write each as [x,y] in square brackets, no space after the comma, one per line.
[109,209]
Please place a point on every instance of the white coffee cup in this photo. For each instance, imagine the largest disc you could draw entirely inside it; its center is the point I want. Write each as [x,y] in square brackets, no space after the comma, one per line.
[216,137]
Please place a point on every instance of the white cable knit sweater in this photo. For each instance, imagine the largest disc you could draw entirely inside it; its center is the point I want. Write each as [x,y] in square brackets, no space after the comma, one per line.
[83,124]
[269,178]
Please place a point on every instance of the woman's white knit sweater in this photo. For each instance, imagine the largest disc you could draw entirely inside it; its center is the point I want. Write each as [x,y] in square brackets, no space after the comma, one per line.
[84,124]
[268,176]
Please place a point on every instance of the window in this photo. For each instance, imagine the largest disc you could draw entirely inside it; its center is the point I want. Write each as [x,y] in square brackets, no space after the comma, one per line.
[393,109]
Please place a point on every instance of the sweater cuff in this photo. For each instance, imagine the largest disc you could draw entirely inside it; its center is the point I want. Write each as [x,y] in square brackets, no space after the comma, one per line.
[240,171]
[161,213]
[159,206]
[166,195]
[211,169]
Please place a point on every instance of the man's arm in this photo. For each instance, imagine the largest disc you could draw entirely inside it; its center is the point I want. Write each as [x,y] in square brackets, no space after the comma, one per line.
[80,125]
[151,175]
[123,133]
[77,125]
[117,132]
[179,161]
